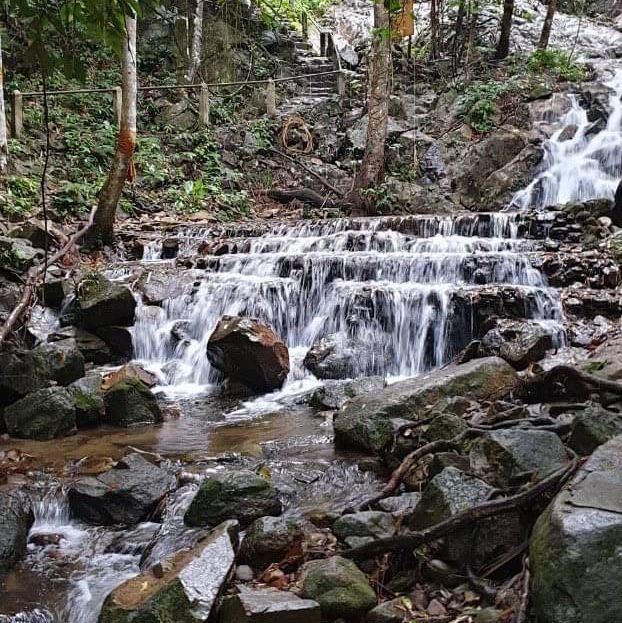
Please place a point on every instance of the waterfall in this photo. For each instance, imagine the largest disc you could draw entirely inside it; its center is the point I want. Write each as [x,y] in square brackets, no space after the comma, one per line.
[407,288]
[580,162]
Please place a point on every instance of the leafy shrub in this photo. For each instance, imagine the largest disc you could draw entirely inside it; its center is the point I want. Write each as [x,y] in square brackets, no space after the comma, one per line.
[477,106]
[557,61]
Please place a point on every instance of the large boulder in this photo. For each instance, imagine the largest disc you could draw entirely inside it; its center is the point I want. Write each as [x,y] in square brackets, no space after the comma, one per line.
[16,518]
[131,403]
[248,351]
[267,605]
[103,303]
[592,427]
[374,524]
[335,394]
[42,415]
[26,371]
[269,539]
[18,254]
[574,552]
[125,494]
[236,494]
[339,586]
[500,455]
[183,588]
[93,348]
[336,357]
[367,422]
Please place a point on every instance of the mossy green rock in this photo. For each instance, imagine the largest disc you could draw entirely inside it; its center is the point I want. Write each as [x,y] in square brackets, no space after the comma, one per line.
[365,523]
[339,586]
[239,494]
[574,552]
[26,371]
[17,254]
[365,422]
[89,400]
[131,403]
[445,426]
[593,427]
[42,415]
[186,589]
[102,303]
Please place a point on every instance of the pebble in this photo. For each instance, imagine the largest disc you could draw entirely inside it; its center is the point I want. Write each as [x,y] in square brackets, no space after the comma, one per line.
[244,573]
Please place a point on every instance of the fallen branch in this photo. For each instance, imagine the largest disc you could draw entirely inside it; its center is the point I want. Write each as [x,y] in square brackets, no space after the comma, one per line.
[317,176]
[413,540]
[34,276]
[583,381]
[306,195]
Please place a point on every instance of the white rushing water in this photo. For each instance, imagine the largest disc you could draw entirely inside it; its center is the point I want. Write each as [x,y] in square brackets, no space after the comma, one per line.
[405,288]
[581,161]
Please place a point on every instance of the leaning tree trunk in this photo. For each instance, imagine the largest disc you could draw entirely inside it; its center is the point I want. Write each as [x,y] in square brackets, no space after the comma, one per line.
[4,146]
[543,44]
[102,231]
[379,69]
[196,47]
[434,30]
[503,47]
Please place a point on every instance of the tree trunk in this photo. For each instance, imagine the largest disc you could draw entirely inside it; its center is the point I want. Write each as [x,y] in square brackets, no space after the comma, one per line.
[434,30]
[196,47]
[102,231]
[379,70]
[548,25]
[4,146]
[503,47]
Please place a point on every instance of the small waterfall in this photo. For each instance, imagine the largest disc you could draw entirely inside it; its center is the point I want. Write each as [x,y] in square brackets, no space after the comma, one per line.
[406,287]
[580,162]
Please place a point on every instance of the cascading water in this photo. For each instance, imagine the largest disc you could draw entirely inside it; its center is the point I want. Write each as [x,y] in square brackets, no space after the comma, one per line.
[581,162]
[403,287]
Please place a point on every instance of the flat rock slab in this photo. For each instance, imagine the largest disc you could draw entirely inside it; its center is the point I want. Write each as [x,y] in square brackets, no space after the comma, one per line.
[575,549]
[265,605]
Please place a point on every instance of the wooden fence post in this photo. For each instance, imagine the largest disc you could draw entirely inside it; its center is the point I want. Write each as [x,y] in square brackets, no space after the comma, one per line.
[341,85]
[271,98]
[204,106]
[17,114]
[304,21]
[117,104]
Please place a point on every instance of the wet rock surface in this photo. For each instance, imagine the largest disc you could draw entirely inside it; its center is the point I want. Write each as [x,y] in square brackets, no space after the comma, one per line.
[125,494]
[16,518]
[575,545]
[130,403]
[335,357]
[249,352]
[184,588]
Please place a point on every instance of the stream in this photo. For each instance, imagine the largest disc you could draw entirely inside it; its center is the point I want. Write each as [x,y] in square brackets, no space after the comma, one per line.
[406,287]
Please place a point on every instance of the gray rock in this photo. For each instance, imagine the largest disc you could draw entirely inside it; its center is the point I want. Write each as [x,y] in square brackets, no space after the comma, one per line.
[574,552]
[239,494]
[500,455]
[93,348]
[519,343]
[88,400]
[119,339]
[365,422]
[445,426]
[26,371]
[41,415]
[18,254]
[593,427]
[336,357]
[131,403]
[102,303]
[365,524]
[267,605]
[339,586]
[358,132]
[392,611]
[400,505]
[185,588]
[125,494]
[268,539]
[16,518]
[335,394]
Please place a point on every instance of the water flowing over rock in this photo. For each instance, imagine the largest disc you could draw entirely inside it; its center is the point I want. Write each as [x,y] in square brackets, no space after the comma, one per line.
[585,166]
[124,495]
[182,588]
[575,555]
[249,352]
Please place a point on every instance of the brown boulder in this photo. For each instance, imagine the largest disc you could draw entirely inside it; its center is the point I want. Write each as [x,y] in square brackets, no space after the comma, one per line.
[249,352]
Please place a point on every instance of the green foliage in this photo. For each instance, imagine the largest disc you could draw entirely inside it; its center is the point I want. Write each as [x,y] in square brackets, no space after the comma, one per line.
[262,131]
[477,106]
[74,198]
[19,196]
[558,62]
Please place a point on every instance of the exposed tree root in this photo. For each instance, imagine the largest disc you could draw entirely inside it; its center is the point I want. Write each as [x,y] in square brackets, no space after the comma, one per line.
[413,540]
[306,195]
